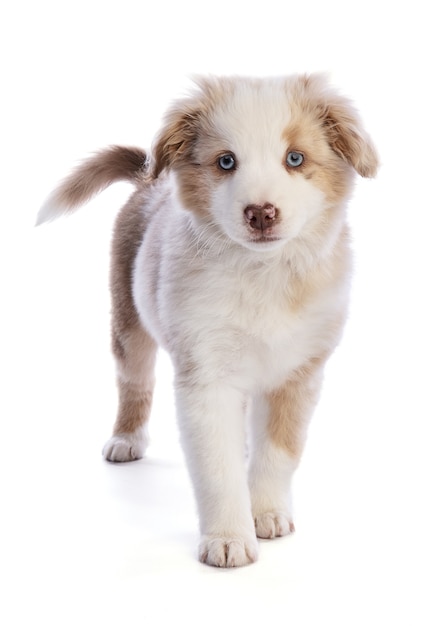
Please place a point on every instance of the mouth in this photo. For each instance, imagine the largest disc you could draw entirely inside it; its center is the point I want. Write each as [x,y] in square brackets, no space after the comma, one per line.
[263,242]
[264,239]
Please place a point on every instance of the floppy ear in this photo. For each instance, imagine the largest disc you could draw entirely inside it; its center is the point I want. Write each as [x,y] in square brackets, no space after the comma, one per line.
[348,138]
[176,138]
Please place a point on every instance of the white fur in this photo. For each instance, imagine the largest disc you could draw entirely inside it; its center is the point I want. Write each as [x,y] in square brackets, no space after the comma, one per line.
[219,300]
[270,475]
[260,148]
[126,447]
[48,211]
[227,306]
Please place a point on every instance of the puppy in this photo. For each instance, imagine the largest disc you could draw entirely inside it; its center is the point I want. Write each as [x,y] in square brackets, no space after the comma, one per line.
[233,255]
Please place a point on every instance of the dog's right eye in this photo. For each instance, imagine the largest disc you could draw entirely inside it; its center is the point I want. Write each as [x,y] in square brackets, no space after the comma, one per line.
[227,162]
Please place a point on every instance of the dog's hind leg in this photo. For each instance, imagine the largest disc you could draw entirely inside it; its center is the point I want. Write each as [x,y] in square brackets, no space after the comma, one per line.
[135,380]
[133,347]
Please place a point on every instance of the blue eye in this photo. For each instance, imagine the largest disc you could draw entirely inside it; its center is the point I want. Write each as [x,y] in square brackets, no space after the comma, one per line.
[294,159]
[227,162]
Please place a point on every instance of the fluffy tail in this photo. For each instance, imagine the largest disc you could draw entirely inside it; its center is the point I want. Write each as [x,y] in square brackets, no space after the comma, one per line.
[93,176]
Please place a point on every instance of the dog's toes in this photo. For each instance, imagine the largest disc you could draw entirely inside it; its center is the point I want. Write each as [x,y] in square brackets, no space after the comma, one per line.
[273,524]
[228,551]
[125,447]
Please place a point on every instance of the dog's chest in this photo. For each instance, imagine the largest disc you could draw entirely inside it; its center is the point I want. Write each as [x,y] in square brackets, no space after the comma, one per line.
[255,326]
[250,321]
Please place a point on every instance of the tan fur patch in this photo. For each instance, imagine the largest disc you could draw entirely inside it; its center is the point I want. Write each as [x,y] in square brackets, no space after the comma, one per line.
[183,125]
[194,188]
[291,407]
[337,119]
[186,143]
[127,237]
[328,274]
[133,348]
[320,165]
[134,409]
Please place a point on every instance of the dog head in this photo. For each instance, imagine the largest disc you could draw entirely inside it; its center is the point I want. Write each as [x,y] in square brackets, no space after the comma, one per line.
[264,159]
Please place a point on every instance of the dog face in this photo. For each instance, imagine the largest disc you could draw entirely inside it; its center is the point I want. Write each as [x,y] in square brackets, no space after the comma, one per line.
[264,160]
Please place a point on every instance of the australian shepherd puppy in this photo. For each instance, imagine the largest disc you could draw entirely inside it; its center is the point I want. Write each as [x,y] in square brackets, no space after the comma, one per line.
[233,255]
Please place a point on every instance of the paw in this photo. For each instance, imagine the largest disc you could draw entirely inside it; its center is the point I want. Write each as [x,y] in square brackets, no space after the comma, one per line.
[273,524]
[125,447]
[228,551]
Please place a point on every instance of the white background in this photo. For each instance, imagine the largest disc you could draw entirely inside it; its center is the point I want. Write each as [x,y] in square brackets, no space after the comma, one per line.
[88,542]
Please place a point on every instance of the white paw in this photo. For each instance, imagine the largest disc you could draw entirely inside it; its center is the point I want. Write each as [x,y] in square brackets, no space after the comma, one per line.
[273,524]
[228,551]
[126,447]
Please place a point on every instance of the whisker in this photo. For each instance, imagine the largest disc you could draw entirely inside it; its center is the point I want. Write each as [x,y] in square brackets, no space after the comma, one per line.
[208,241]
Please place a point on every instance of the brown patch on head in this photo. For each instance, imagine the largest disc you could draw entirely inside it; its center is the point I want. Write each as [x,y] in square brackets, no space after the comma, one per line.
[175,149]
[320,166]
[186,143]
[327,129]
[194,185]
[348,139]
[324,127]
[177,137]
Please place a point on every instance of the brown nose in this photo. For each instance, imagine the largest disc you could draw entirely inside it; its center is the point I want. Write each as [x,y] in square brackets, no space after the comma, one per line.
[260,217]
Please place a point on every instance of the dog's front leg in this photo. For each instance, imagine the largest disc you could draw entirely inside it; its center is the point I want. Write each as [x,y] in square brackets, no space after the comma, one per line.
[211,420]
[279,424]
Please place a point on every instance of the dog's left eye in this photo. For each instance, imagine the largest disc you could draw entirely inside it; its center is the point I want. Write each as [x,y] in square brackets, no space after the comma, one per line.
[294,159]
[227,162]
